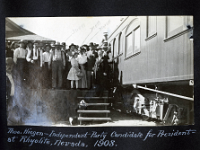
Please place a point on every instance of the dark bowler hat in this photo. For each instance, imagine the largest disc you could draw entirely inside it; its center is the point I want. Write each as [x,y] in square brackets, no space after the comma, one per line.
[72,45]
[63,43]
[91,44]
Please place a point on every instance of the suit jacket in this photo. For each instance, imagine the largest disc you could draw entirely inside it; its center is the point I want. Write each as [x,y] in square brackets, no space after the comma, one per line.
[91,60]
[101,66]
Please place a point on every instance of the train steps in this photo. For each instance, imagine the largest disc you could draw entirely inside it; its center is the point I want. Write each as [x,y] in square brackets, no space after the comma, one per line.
[93,109]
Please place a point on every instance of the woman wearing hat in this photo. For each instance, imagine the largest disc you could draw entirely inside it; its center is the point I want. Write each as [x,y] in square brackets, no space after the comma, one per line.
[19,59]
[82,60]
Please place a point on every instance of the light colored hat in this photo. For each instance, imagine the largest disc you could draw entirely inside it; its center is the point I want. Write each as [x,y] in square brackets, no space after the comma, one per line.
[22,41]
[57,44]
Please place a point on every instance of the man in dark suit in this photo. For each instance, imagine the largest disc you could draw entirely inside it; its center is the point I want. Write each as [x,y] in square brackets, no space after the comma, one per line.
[100,72]
[65,68]
[91,58]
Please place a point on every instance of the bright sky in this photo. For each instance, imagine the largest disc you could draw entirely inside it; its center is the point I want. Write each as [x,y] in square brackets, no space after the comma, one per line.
[77,30]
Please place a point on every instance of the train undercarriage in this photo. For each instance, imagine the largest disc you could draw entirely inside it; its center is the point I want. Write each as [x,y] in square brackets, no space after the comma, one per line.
[162,102]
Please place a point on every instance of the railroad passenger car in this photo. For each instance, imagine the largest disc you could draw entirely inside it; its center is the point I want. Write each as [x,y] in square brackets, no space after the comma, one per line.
[153,67]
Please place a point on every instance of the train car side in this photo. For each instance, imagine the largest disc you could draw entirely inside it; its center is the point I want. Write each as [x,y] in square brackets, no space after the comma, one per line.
[163,61]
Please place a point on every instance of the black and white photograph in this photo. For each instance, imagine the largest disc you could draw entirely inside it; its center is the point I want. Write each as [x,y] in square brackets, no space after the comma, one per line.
[99,71]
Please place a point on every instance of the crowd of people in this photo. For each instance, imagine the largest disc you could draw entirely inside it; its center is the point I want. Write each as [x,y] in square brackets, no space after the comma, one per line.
[56,66]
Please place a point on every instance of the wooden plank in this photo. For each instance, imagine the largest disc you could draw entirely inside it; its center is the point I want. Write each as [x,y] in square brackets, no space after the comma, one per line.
[93,111]
[94,97]
[96,104]
[94,118]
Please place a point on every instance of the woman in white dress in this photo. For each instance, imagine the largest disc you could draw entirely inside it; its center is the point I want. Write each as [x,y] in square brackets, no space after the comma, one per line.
[73,72]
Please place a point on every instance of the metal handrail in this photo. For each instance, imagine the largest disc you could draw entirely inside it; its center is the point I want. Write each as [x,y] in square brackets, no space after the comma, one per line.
[166,93]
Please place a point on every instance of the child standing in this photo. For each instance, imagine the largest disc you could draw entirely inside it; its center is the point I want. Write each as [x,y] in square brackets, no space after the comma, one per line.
[72,75]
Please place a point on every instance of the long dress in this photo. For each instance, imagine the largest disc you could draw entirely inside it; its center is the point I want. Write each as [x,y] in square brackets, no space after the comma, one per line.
[72,75]
[82,60]
[91,58]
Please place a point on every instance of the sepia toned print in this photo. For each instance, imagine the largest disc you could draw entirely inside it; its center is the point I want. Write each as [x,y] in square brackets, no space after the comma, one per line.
[100,71]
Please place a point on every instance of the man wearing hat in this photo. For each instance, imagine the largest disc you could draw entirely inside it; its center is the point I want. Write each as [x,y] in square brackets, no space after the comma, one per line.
[37,65]
[46,67]
[9,52]
[65,68]
[91,58]
[58,63]
[30,64]
[19,59]
[96,47]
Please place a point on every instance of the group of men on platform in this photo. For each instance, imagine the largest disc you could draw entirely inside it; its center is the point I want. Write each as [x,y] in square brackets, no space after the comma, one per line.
[43,65]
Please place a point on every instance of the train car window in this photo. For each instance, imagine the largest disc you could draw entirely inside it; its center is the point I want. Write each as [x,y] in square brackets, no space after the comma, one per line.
[111,48]
[176,26]
[114,41]
[151,26]
[115,50]
[129,44]
[120,43]
[136,40]
[132,38]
